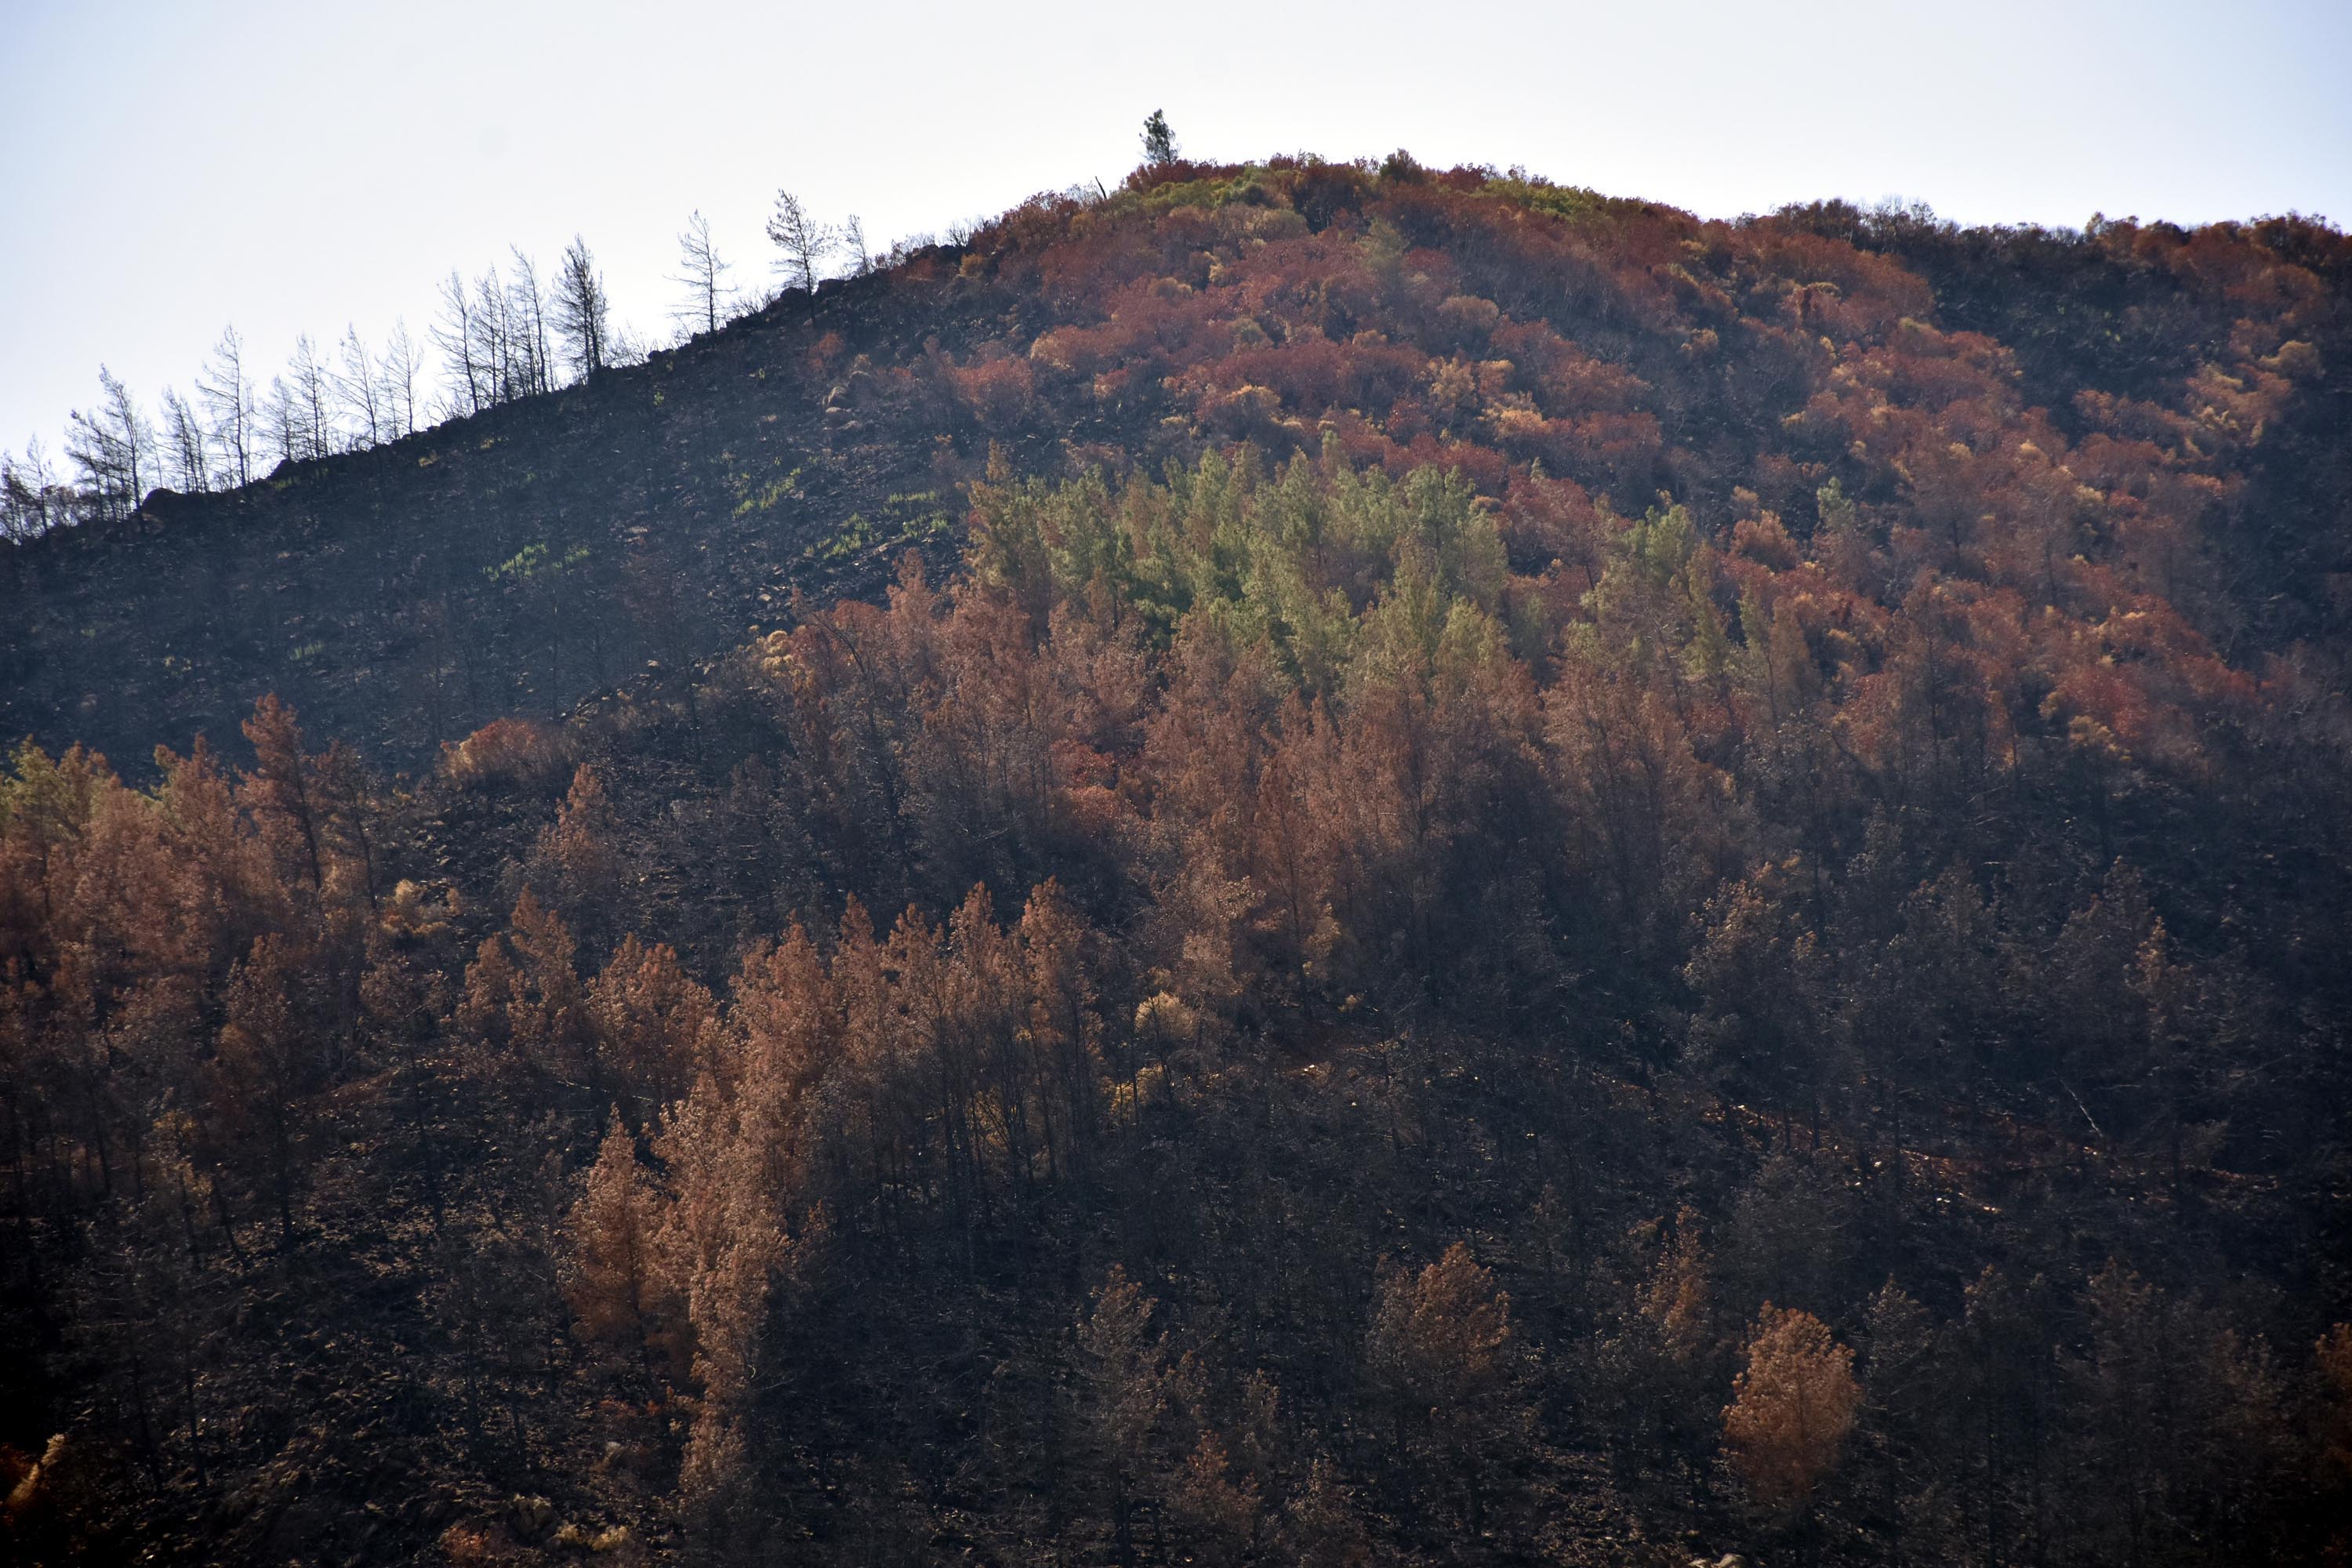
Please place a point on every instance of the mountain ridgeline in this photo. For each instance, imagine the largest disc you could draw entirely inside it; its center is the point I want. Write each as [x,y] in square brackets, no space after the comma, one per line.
[1308,863]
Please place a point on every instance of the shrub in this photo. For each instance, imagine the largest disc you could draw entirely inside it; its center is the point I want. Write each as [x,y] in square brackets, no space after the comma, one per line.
[508,753]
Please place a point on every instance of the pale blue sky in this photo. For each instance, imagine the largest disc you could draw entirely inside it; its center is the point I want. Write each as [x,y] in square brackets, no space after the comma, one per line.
[168,168]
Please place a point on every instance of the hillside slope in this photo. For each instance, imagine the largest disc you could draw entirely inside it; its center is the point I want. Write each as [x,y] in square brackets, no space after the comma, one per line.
[1526,881]
[511,561]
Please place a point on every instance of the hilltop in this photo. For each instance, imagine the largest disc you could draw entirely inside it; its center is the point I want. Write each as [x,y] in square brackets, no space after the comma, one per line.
[517,559]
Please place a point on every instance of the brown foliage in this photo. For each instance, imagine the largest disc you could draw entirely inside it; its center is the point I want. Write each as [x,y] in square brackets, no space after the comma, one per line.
[614,1283]
[583,846]
[1792,1407]
[522,999]
[1442,1347]
[654,1026]
[506,753]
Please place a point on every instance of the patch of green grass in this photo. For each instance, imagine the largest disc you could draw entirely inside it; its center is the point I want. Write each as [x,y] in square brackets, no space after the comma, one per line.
[534,561]
[858,535]
[766,495]
[1572,204]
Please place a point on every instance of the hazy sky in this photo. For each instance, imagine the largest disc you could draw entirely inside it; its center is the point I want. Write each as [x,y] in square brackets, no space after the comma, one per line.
[169,168]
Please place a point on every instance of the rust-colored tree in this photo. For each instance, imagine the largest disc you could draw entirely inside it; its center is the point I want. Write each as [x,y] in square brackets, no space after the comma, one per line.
[654,1026]
[582,852]
[620,1296]
[267,1064]
[1790,1409]
[1122,1395]
[1444,1353]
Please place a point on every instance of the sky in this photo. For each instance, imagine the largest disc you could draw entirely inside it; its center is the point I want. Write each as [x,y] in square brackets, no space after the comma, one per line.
[167,169]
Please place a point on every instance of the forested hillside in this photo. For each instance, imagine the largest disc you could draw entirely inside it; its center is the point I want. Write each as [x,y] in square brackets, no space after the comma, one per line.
[1305,863]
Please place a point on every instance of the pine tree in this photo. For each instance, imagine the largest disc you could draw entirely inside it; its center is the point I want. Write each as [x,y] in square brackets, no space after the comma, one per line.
[653,1025]
[279,794]
[1219,1508]
[545,1017]
[1121,1395]
[612,1279]
[1445,1354]
[802,243]
[785,1016]
[1323,1527]
[1792,1408]
[1158,142]
[265,1073]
